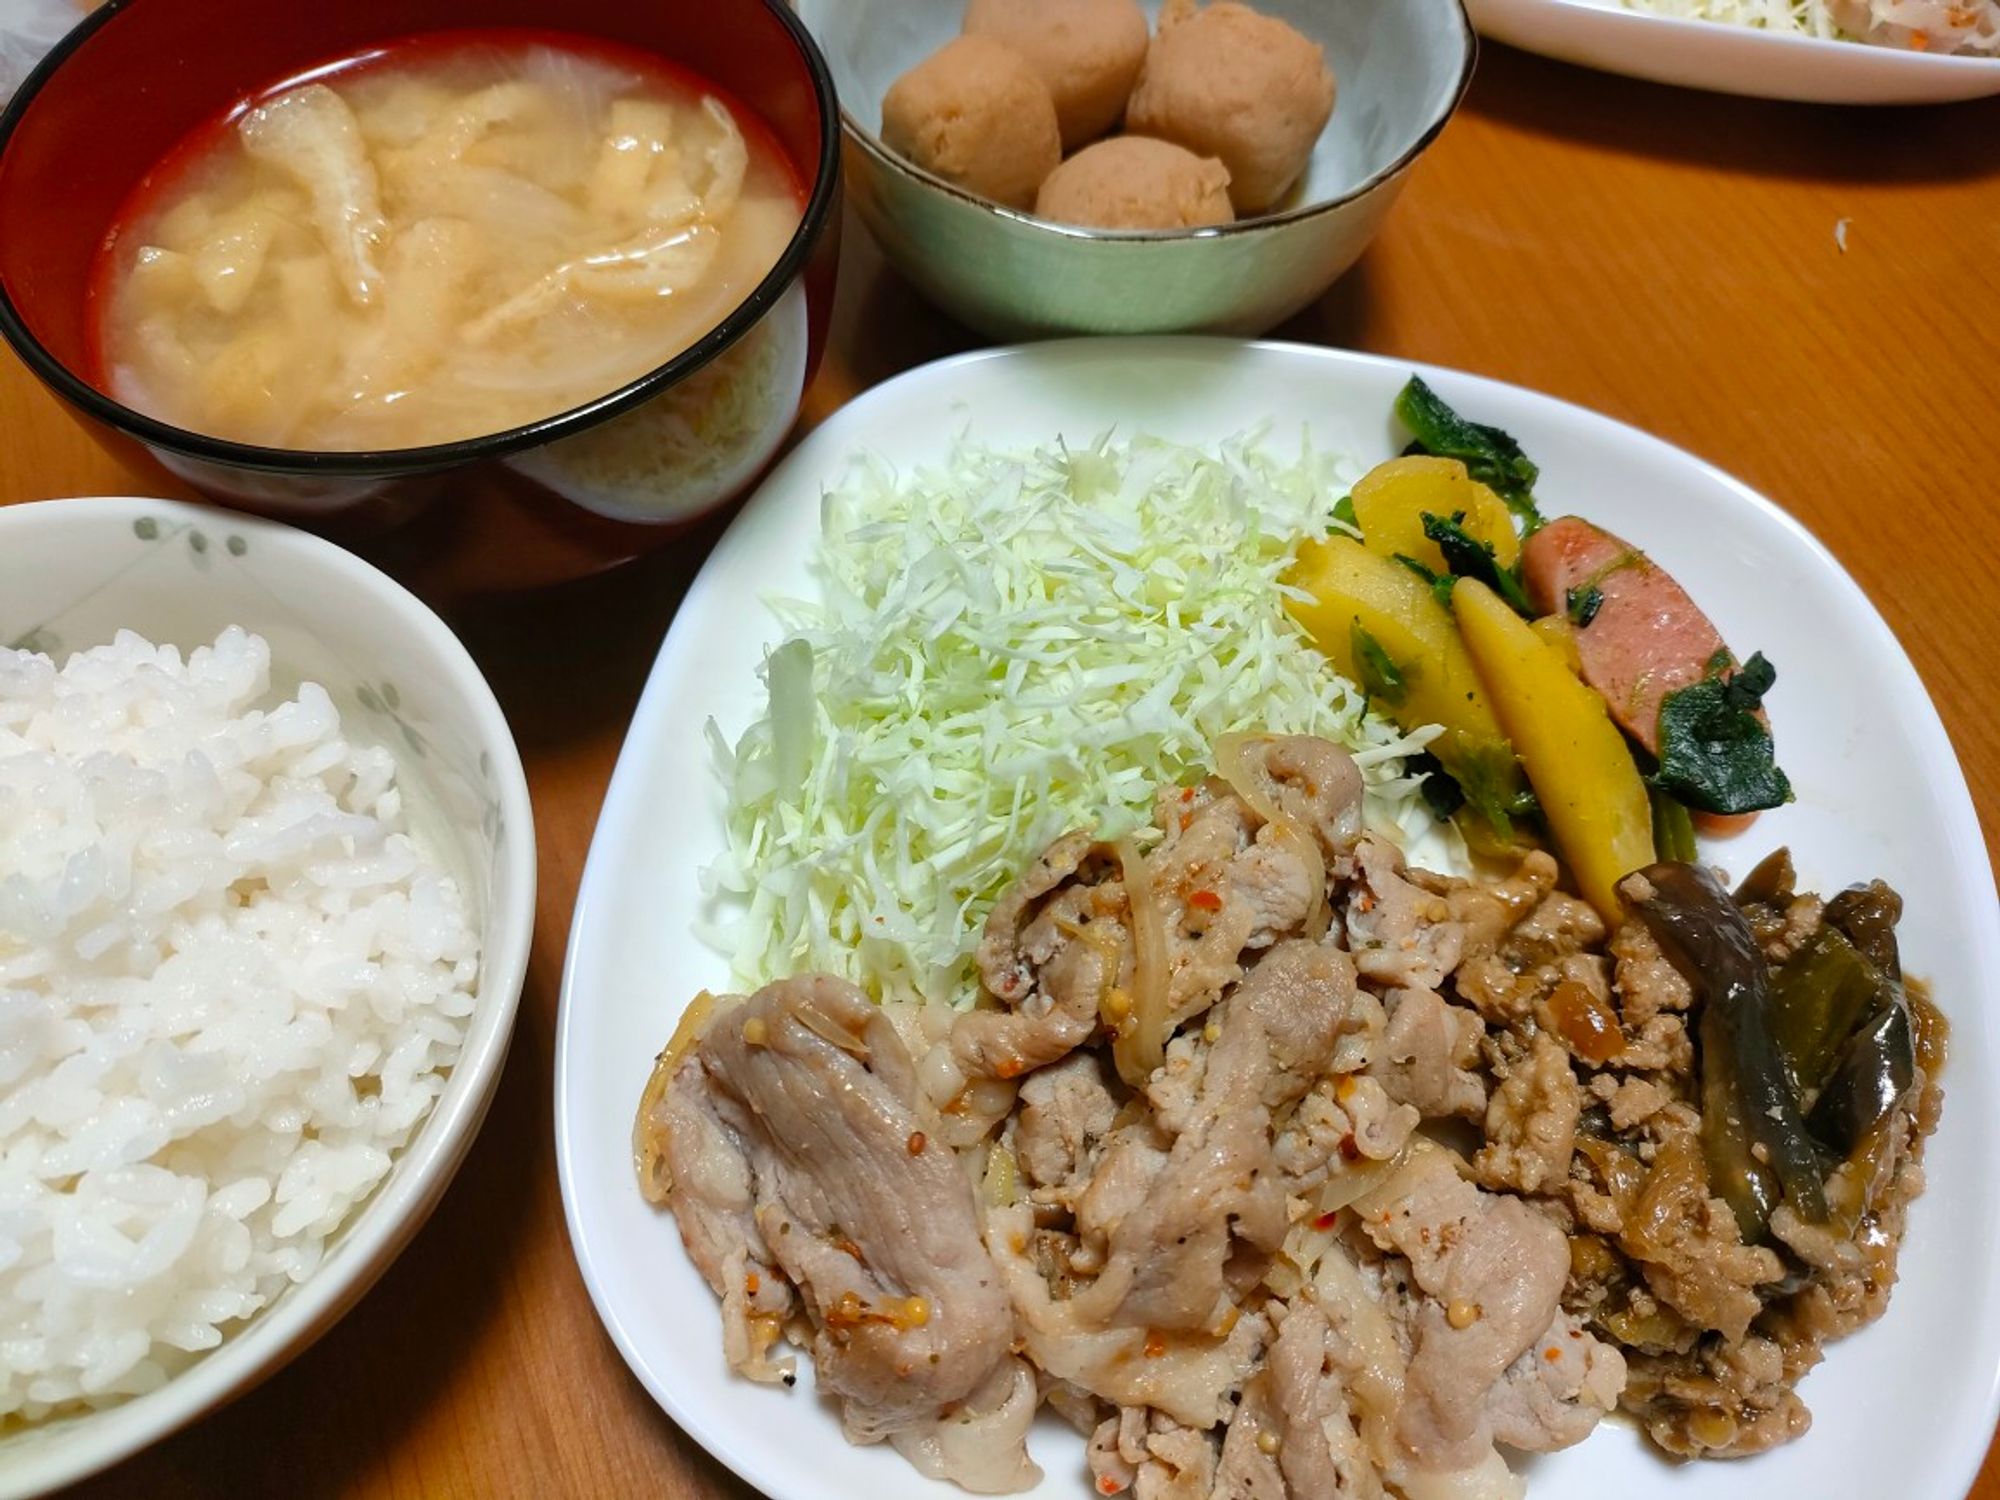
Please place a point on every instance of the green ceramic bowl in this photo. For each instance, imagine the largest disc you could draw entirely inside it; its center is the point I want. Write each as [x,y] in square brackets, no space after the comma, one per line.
[1401,66]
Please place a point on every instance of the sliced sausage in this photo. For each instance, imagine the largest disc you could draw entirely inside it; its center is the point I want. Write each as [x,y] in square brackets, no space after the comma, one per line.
[1647,638]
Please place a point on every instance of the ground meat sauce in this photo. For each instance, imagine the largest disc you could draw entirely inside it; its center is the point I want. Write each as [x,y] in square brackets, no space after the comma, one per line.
[1594,1070]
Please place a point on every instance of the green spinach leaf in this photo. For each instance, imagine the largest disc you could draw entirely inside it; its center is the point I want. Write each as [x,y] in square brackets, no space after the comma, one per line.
[1468,557]
[1440,582]
[1715,754]
[1380,676]
[1583,604]
[1491,456]
[1441,793]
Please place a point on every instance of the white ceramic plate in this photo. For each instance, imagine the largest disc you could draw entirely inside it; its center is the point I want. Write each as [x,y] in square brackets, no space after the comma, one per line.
[1904,1409]
[1731,59]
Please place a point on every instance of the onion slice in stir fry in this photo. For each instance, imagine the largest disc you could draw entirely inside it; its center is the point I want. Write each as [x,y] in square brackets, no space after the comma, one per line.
[1141,1044]
[1234,765]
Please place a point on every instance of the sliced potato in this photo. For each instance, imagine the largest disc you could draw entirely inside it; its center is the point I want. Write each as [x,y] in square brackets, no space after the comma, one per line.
[647,124]
[1577,761]
[1391,499]
[163,357]
[184,226]
[640,134]
[229,262]
[1558,635]
[257,385]
[160,278]
[308,295]
[401,110]
[1359,598]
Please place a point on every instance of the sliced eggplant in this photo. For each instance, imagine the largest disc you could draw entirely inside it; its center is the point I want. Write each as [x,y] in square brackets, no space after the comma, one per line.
[1753,1137]
[1868,915]
[1824,994]
[1874,1075]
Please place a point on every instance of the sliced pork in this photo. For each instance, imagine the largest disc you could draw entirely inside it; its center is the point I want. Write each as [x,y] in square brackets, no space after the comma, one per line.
[1555,1394]
[691,1144]
[1067,1110]
[801,1105]
[1054,946]
[1190,1377]
[1400,933]
[1428,1057]
[1167,1256]
[1320,1448]
[1489,1273]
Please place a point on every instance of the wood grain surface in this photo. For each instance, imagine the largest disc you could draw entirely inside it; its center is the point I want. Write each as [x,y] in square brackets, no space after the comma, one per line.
[1663,256]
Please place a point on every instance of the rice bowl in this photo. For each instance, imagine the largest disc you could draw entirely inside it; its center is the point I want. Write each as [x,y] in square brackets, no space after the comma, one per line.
[321,1109]
[232,988]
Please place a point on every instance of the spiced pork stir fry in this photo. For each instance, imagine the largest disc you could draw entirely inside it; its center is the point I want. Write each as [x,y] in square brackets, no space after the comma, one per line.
[1282,1169]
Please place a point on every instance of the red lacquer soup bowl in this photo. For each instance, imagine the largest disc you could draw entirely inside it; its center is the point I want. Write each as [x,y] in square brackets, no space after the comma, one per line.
[555,499]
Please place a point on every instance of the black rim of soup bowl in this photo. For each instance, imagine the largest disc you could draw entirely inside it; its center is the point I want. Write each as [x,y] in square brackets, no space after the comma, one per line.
[437,456]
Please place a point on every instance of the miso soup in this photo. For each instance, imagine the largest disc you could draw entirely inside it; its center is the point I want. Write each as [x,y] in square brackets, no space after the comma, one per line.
[450,236]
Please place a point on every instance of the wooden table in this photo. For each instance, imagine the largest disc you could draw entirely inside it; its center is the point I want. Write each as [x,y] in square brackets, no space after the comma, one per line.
[1667,257]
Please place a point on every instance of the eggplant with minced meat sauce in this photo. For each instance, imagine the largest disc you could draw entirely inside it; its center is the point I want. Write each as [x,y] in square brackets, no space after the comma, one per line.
[1802,1066]
[1753,1132]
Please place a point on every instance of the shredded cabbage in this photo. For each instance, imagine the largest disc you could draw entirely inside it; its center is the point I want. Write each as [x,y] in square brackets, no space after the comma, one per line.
[1946,26]
[1013,645]
[1802,17]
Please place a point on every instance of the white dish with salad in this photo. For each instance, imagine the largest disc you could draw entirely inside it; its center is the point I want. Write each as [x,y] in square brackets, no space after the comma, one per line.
[1811,51]
[1116,517]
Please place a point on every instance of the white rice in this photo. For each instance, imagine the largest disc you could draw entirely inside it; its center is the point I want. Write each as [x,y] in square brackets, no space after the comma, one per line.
[231,987]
